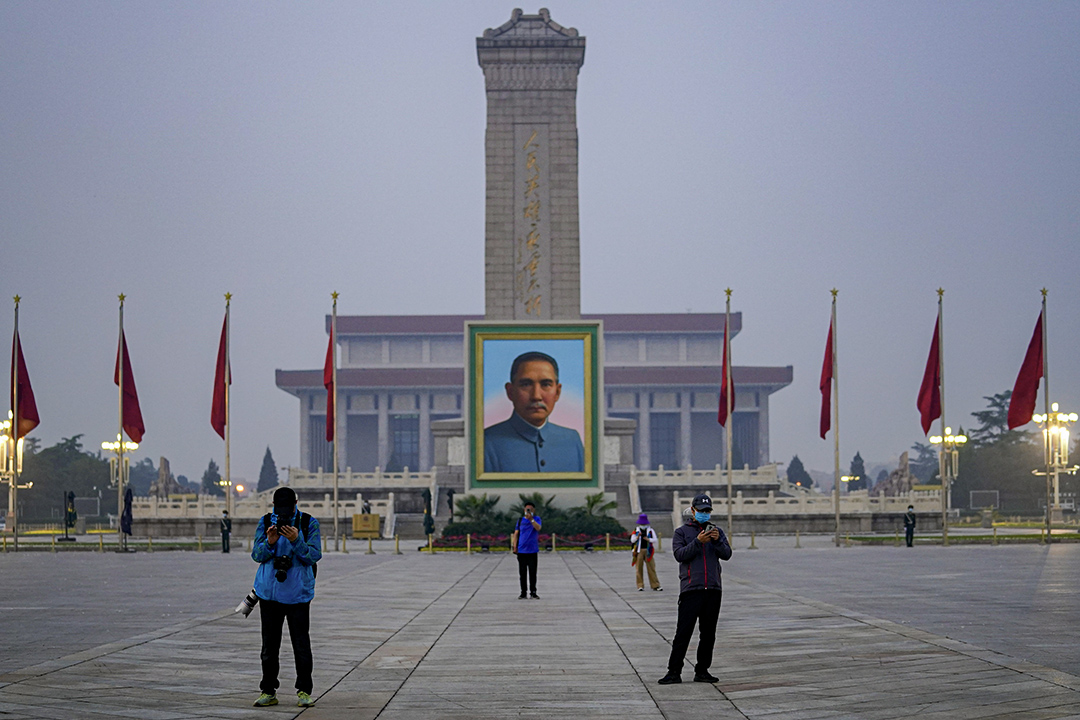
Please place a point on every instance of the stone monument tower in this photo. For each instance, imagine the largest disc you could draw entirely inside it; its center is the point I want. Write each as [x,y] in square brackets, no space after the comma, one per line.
[532,257]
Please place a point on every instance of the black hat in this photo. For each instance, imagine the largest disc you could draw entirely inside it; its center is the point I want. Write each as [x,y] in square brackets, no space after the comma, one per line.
[702,502]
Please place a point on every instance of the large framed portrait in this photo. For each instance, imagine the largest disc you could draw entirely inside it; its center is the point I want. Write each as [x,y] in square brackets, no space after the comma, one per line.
[534,403]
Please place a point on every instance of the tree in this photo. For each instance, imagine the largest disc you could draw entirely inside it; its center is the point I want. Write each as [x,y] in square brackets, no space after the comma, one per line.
[476,507]
[544,508]
[141,476]
[882,476]
[925,463]
[31,446]
[858,471]
[268,477]
[797,475]
[64,467]
[596,507]
[211,480]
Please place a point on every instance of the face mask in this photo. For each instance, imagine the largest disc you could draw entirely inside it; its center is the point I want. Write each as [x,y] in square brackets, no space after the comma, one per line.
[702,517]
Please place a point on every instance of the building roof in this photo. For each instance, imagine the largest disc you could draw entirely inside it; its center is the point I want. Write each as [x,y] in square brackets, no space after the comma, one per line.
[297,380]
[455,324]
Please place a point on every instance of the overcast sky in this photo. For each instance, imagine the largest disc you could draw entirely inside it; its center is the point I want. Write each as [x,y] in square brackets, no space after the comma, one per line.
[175,151]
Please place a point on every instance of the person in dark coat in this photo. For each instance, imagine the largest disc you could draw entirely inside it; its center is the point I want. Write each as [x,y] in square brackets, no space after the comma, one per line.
[699,546]
[226,530]
[909,525]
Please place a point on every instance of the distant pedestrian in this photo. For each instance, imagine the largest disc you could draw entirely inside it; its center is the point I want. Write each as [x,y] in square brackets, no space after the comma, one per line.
[699,546]
[525,543]
[226,530]
[643,541]
[909,525]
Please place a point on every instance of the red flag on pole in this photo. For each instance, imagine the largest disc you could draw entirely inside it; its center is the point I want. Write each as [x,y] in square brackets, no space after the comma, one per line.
[722,414]
[132,414]
[826,385]
[27,411]
[929,403]
[222,374]
[1022,403]
[328,383]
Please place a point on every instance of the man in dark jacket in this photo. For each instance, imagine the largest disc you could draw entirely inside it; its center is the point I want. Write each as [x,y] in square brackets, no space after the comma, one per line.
[909,525]
[699,546]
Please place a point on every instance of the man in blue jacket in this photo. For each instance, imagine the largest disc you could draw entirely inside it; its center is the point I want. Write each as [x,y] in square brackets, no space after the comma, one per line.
[286,548]
[699,546]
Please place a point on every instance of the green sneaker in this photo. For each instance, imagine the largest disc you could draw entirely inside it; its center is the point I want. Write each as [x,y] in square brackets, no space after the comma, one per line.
[266,700]
[303,699]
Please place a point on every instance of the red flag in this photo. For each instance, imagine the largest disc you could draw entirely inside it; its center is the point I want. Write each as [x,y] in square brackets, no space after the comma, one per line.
[132,415]
[223,371]
[826,385]
[929,403]
[27,409]
[722,414]
[1022,403]
[328,383]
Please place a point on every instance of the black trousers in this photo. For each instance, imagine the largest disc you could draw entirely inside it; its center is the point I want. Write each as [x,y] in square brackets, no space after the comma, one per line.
[224,542]
[527,564]
[909,535]
[273,615]
[701,607]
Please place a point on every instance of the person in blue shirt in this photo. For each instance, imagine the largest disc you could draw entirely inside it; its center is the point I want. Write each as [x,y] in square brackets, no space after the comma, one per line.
[527,442]
[286,548]
[525,543]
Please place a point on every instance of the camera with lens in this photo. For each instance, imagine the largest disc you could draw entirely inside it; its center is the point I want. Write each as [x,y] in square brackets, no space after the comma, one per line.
[282,563]
[248,603]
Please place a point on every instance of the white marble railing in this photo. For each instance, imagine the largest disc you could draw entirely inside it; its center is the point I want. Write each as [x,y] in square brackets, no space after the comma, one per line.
[855,503]
[706,478]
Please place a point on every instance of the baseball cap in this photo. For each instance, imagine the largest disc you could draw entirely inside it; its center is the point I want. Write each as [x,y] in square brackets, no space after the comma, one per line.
[702,502]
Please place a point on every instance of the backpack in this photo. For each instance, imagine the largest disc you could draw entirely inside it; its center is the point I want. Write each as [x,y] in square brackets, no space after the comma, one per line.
[305,523]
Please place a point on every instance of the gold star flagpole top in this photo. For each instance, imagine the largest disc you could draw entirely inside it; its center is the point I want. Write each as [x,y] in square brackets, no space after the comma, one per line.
[121,296]
[834,291]
[1043,292]
[17,298]
[334,294]
[228,297]
[940,292]
[728,292]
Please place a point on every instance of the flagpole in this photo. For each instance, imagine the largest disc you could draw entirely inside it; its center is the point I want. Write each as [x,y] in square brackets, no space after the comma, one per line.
[333,333]
[13,491]
[1046,401]
[120,433]
[228,425]
[945,481]
[836,421]
[728,383]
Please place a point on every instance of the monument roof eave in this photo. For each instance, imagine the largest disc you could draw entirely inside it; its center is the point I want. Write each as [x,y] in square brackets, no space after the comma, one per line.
[454,324]
[522,26]
[770,378]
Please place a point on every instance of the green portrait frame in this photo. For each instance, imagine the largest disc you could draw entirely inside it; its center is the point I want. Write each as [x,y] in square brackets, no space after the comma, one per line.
[477,333]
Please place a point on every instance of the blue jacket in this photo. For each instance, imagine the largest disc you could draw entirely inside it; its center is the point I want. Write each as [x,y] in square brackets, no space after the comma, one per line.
[515,445]
[699,563]
[299,584]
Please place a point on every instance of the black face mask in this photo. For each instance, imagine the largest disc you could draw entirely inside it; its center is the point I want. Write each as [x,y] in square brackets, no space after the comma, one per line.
[285,514]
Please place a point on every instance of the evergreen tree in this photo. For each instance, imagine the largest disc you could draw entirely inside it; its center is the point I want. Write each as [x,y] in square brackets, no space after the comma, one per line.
[268,477]
[211,480]
[858,471]
[141,475]
[797,475]
[925,463]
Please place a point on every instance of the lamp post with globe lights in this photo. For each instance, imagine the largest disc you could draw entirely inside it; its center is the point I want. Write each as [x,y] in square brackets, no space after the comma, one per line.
[1056,438]
[11,463]
[119,474]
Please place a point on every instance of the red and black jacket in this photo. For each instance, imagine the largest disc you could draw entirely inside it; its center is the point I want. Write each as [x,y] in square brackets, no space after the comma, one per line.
[699,563]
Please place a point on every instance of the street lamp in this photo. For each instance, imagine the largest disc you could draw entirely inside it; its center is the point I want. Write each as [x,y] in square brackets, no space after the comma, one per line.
[11,465]
[1056,450]
[948,461]
[119,478]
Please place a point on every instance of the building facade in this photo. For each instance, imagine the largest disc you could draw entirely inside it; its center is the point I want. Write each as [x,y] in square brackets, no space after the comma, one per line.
[398,374]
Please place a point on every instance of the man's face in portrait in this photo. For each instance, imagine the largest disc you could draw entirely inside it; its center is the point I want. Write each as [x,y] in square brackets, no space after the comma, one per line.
[534,390]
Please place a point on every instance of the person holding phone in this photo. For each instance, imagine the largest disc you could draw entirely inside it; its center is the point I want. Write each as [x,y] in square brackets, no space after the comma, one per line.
[699,546]
[287,550]
[525,543]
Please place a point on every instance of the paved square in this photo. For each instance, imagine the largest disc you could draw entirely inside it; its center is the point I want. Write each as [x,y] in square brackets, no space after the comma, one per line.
[818,632]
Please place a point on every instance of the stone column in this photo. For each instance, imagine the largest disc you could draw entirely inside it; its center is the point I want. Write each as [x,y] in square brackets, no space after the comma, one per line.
[532,260]
[425,432]
[684,430]
[644,443]
[384,429]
